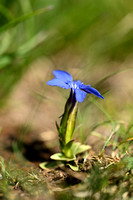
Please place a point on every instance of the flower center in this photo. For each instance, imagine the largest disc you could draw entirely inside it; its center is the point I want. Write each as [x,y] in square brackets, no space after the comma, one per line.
[74,85]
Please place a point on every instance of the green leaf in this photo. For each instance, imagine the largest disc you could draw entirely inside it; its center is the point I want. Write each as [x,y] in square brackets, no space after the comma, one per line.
[61,157]
[78,148]
[5,42]
[6,12]
[48,165]
[72,149]
[82,148]
[23,18]
[111,135]
[32,43]
[73,167]
[4,61]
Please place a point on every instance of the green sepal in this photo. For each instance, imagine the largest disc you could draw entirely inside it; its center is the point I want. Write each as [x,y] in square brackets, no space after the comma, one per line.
[68,120]
[71,123]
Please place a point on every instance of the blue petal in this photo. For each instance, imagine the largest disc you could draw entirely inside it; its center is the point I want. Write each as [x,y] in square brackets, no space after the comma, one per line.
[63,76]
[57,82]
[79,83]
[80,95]
[91,90]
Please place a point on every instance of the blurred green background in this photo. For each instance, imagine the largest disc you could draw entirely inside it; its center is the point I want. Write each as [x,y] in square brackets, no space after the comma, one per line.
[98,33]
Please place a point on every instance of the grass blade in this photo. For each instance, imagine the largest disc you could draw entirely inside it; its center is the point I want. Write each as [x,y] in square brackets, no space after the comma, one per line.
[24,18]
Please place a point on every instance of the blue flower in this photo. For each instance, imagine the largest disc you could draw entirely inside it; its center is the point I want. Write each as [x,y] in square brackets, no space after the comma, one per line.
[64,80]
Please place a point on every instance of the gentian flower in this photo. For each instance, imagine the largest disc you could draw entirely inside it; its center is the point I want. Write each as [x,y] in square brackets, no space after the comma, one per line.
[64,80]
